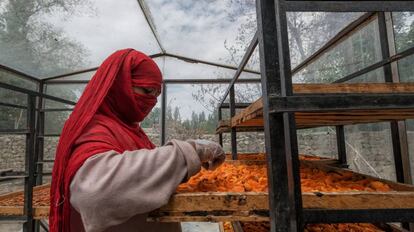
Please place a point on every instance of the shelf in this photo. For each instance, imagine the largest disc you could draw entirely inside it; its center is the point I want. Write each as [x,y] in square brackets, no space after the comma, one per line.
[40,208]
[251,118]
[253,206]
[241,206]
[265,227]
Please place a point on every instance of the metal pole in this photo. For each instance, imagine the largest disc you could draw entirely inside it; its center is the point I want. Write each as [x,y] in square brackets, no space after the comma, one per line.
[163,108]
[28,226]
[348,6]
[398,128]
[280,131]
[40,129]
[242,64]
[233,129]
[39,144]
[220,116]
[395,133]
[401,124]
[340,142]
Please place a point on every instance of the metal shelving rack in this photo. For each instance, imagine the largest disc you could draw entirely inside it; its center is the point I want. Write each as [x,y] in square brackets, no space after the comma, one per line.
[34,133]
[280,104]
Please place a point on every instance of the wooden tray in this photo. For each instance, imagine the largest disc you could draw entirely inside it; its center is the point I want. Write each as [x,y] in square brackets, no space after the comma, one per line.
[253,206]
[39,212]
[236,227]
[251,118]
[261,156]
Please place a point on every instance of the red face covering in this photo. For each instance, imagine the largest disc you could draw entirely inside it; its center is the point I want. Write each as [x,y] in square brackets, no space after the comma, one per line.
[105,118]
[145,77]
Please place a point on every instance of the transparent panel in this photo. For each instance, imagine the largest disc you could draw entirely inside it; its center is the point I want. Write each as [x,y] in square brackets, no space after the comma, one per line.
[16,80]
[71,92]
[254,61]
[54,121]
[178,69]
[86,76]
[247,142]
[356,52]
[369,149]
[191,112]
[152,124]
[76,77]
[246,93]
[12,152]
[375,76]
[309,31]
[410,138]
[318,141]
[405,69]
[50,144]
[12,118]
[13,97]
[218,30]
[403,30]
[50,38]
[11,226]
[10,186]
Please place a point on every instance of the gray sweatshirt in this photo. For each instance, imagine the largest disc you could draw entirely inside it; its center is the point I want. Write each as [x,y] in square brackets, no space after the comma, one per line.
[114,192]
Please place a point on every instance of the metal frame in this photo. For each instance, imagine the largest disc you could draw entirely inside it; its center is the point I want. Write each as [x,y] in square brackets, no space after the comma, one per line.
[280,104]
[279,107]
[54,79]
[34,149]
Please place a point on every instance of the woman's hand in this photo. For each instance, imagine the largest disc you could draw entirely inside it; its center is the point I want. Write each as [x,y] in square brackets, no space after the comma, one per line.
[210,153]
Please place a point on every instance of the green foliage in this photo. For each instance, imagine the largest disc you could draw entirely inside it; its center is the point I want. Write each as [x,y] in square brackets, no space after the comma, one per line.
[404,39]
[29,43]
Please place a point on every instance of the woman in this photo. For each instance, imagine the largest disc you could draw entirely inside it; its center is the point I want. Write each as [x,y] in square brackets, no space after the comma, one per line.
[107,173]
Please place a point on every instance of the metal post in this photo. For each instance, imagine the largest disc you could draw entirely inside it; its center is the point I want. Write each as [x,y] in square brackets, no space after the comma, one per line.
[280,131]
[397,146]
[163,108]
[398,128]
[340,144]
[220,116]
[39,144]
[233,129]
[40,129]
[28,226]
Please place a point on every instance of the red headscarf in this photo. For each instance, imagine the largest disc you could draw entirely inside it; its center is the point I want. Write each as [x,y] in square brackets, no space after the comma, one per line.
[105,118]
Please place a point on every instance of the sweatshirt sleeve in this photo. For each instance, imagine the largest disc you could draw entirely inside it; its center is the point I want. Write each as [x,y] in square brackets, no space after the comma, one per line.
[110,188]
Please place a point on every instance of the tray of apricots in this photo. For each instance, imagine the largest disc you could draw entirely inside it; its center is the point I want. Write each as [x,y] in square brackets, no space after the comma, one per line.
[238,191]
[11,204]
[262,156]
[338,227]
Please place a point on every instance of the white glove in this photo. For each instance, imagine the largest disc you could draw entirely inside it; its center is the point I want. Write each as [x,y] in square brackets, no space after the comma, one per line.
[210,153]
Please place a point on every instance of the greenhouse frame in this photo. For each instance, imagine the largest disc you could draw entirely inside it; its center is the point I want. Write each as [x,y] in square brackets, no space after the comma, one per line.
[280,108]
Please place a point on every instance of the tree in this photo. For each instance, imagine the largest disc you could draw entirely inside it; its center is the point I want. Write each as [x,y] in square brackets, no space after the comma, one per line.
[404,36]
[153,119]
[202,117]
[177,116]
[28,42]
[304,41]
